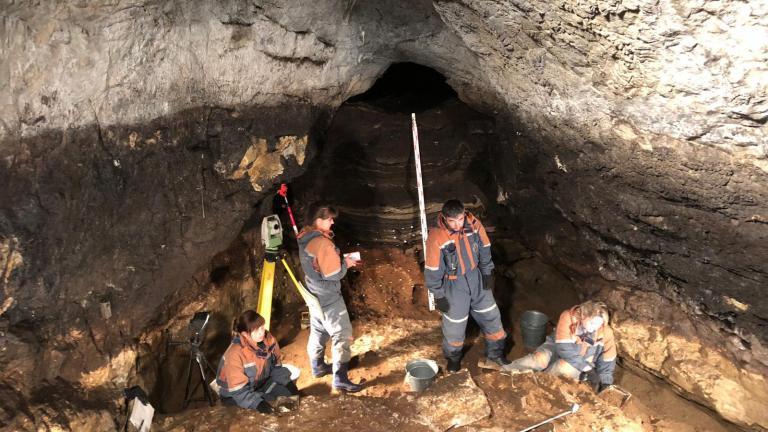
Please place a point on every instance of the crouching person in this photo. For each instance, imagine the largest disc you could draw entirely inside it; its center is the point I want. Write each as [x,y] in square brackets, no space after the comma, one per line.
[583,345]
[250,372]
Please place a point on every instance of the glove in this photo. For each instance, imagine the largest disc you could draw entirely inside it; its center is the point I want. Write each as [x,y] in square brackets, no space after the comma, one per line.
[489,281]
[602,387]
[442,304]
[588,375]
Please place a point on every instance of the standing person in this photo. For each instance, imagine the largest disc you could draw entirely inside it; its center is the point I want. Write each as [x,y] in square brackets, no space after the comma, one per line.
[250,372]
[459,272]
[323,269]
[583,345]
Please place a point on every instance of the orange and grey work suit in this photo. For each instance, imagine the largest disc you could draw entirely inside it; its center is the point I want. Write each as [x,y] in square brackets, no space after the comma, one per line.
[323,271]
[454,266]
[573,350]
[250,372]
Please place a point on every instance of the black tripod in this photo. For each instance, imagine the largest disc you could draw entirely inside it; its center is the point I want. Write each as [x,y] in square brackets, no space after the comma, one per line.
[196,355]
[197,327]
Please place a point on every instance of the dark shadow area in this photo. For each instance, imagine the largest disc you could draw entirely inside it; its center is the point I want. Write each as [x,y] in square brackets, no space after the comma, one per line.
[407,87]
[218,274]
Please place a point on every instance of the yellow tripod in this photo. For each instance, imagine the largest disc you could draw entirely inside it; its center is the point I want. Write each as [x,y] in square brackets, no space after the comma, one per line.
[272,238]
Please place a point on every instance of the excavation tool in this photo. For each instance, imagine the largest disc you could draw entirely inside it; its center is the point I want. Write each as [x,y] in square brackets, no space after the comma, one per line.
[272,239]
[422,210]
[573,409]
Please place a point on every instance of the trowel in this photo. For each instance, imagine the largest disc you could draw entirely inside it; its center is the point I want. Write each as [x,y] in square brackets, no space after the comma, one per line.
[573,409]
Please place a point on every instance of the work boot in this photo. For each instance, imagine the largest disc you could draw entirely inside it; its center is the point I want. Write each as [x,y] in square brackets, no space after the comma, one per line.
[501,361]
[494,363]
[453,366]
[291,386]
[284,404]
[264,407]
[320,368]
[494,350]
[341,381]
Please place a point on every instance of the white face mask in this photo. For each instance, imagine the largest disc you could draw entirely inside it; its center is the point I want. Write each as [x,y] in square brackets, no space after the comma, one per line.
[593,324]
[258,334]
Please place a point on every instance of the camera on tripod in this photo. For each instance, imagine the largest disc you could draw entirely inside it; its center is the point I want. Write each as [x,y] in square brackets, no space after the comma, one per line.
[197,326]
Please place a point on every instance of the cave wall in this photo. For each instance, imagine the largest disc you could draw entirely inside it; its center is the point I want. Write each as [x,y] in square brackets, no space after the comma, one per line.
[128,214]
[633,149]
[636,133]
[689,70]
[65,64]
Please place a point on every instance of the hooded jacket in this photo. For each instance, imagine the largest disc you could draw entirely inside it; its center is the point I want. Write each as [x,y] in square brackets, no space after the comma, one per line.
[581,349]
[245,367]
[451,254]
[322,265]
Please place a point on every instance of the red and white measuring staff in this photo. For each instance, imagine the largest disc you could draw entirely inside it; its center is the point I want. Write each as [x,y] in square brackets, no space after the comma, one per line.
[283,192]
[422,210]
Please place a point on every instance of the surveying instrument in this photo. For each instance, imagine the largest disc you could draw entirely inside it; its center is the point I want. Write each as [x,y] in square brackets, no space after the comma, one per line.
[272,239]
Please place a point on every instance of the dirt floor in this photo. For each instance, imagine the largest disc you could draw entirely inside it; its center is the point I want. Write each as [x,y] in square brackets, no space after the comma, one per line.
[391,328]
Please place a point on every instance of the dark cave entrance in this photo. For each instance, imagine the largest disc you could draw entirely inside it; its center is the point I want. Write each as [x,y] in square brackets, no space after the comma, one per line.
[406,88]
[366,164]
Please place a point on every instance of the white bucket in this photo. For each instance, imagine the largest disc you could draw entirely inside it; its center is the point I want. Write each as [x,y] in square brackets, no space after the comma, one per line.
[420,373]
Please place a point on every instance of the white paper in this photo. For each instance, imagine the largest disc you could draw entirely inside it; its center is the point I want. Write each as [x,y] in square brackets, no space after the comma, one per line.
[353,255]
[141,415]
[215,387]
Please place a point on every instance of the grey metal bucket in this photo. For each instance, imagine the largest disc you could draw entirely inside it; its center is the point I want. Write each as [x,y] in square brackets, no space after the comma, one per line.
[420,373]
[533,326]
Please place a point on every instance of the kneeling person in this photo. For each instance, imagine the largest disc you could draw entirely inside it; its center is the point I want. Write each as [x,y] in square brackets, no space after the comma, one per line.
[583,343]
[250,372]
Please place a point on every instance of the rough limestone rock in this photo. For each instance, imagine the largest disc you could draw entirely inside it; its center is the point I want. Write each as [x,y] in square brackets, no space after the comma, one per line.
[641,92]
[452,401]
[662,339]
[135,139]
[688,70]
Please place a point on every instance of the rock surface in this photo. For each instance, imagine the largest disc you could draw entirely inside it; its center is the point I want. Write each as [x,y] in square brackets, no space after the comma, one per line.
[687,70]
[659,337]
[450,402]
